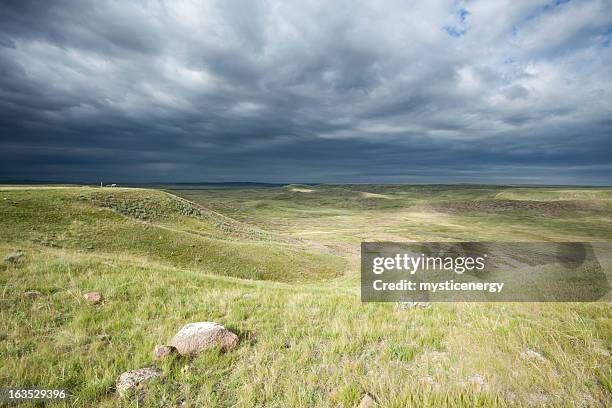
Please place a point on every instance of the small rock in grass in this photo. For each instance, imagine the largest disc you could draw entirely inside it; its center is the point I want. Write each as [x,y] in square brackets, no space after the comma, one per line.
[428,379]
[532,355]
[477,381]
[194,338]
[132,379]
[164,351]
[32,294]
[14,257]
[93,297]
[367,401]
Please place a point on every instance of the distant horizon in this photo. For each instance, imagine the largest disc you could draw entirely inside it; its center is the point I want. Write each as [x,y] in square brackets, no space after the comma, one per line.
[280,184]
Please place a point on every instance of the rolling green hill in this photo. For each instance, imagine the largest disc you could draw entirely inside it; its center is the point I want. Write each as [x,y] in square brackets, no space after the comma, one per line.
[158,226]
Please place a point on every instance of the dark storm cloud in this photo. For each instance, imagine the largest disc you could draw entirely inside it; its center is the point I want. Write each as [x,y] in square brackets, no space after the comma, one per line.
[314,91]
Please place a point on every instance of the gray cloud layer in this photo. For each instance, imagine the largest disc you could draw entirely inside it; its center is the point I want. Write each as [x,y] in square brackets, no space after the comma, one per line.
[350,91]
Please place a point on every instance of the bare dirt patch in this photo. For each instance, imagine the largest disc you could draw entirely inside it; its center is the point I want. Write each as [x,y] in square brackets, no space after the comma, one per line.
[301,190]
[365,194]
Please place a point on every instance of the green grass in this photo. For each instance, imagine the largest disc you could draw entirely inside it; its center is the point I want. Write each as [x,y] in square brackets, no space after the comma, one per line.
[306,339]
[159,226]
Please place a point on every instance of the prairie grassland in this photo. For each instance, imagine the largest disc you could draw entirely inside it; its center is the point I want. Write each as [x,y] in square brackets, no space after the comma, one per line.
[278,266]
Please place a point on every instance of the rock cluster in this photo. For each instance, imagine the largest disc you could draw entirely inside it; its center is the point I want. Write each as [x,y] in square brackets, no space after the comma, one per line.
[190,340]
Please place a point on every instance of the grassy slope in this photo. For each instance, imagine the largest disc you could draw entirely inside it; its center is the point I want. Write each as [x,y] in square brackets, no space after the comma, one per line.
[156,225]
[303,344]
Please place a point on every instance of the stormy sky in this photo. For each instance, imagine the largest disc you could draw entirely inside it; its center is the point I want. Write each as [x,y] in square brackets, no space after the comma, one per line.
[307,91]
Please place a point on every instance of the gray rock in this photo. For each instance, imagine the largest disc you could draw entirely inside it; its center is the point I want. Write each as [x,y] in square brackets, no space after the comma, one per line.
[367,401]
[194,338]
[164,351]
[32,294]
[14,257]
[133,379]
[428,379]
[532,355]
[477,381]
[93,297]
